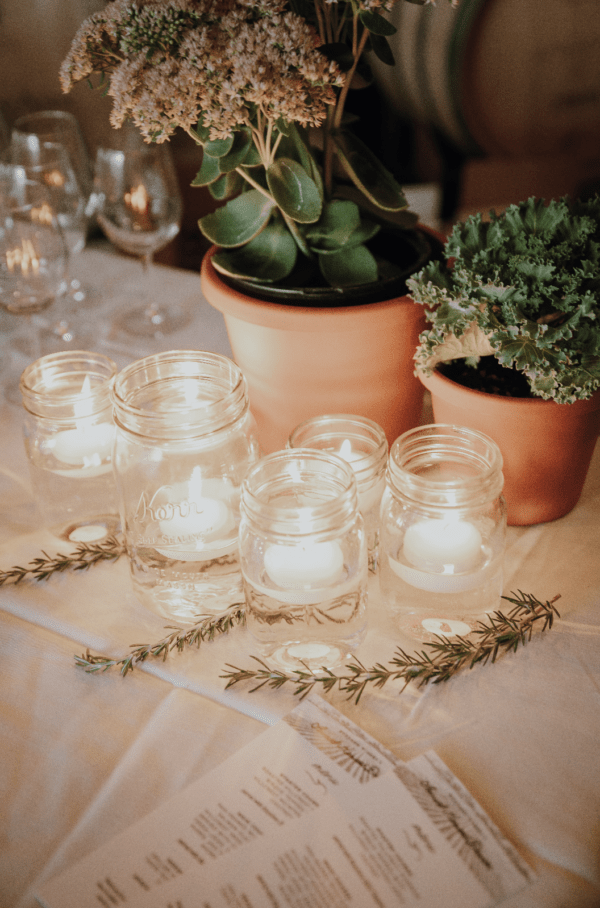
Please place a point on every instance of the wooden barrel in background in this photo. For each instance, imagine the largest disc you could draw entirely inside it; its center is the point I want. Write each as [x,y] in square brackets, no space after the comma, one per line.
[507,78]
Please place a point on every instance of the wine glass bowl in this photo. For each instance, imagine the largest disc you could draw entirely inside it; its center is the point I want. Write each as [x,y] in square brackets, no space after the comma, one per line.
[33,255]
[30,130]
[138,206]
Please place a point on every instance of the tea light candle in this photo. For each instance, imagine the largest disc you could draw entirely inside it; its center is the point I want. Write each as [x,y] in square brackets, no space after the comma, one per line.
[442,545]
[301,566]
[84,446]
[194,523]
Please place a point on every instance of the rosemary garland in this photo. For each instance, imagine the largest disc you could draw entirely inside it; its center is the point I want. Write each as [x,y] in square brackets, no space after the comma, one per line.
[84,556]
[500,633]
[206,628]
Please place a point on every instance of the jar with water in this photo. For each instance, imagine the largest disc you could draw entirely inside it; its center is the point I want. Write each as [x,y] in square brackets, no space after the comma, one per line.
[184,442]
[304,560]
[69,431]
[363,444]
[443,528]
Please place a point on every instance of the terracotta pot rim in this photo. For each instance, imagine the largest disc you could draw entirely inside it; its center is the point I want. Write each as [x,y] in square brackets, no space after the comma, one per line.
[277,315]
[444,387]
[233,302]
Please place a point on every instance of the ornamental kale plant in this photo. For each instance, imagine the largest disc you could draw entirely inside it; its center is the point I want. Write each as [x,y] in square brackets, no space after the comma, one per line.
[261,86]
[524,288]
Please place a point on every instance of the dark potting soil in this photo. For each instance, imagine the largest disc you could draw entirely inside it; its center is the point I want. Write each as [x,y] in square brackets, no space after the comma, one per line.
[488,376]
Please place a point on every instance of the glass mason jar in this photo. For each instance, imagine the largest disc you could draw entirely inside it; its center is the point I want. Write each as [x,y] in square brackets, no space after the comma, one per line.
[443,528]
[69,432]
[363,444]
[185,440]
[304,559]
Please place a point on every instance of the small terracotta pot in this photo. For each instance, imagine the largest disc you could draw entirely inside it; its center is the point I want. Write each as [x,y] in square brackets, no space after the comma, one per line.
[546,447]
[303,361]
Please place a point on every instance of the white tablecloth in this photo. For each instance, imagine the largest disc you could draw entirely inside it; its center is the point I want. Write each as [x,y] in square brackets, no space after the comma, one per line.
[83,756]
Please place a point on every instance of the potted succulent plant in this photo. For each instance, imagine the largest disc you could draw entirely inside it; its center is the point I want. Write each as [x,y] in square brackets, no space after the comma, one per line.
[309,224]
[513,346]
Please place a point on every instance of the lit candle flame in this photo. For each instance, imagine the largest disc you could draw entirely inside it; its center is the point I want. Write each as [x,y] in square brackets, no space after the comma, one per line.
[138,199]
[346,449]
[43,214]
[23,257]
[54,178]
[84,406]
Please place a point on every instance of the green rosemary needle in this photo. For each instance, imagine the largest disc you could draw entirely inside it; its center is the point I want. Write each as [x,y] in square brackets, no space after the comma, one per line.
[84,556]
[444,658]
[206,628]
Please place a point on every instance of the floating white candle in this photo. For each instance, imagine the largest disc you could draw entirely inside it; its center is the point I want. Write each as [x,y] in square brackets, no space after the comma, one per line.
[306,565]
[198,526]
[446,627]
[86,446]
[443,546]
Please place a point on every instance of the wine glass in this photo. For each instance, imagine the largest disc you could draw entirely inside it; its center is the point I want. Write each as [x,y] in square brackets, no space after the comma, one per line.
[139,208]
[62,127]
[29,131]
[49,164]
[33,256]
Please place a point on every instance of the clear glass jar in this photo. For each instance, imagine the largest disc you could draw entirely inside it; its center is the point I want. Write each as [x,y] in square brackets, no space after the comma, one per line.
[304,559]
[443,528]
[363,444]
[185,440]
[69,432]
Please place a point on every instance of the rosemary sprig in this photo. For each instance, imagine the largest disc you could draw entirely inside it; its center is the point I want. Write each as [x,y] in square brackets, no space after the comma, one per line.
[444,658]
[206,628]
[85,555]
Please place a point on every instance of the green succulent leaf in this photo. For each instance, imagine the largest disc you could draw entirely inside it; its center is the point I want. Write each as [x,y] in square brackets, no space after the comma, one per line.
[209,171]
[239,220]
[367,173]
[339,220]
[381,48]
[295,192]
[269,257]
[376,24]
[252,158]
[225,187]
[293,146]
[348,267]
[242,142]
[202,132]
[297,232]
[216,148]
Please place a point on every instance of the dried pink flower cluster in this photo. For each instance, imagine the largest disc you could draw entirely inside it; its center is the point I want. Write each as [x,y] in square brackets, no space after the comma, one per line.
[169,61]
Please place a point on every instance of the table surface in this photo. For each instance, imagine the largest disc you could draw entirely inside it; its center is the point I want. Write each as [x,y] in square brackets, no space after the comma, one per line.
[84,756]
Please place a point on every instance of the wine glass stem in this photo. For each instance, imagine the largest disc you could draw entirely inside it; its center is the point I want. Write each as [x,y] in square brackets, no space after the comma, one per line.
[152,311]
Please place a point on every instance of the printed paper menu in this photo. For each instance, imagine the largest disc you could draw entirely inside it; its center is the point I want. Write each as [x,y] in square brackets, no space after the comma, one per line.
[313,812]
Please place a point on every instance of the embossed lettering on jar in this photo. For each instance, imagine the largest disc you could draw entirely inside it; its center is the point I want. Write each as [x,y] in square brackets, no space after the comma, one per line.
[185,440]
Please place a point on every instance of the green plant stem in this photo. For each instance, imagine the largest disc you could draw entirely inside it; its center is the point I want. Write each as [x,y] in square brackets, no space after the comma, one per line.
[206,628]
[84,556]
[443,659]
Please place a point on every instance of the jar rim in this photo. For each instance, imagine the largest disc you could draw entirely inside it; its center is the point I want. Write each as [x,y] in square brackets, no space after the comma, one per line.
[176,415]
[318,431]
[288,472]
[54,385]
[476,456]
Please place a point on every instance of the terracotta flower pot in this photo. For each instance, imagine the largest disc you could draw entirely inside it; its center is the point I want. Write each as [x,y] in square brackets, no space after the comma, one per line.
[546,447]
[303,361]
